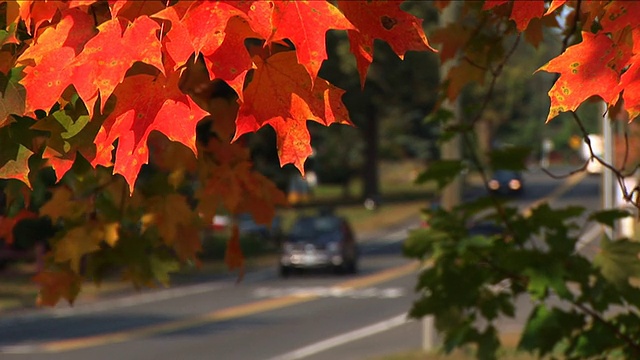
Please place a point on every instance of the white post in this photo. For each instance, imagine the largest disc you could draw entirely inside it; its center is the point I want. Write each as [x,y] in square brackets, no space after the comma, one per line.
[450,151]
[607,175]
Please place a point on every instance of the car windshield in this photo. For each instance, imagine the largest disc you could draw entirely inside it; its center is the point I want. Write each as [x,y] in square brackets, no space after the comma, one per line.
[314,227]
[506,175]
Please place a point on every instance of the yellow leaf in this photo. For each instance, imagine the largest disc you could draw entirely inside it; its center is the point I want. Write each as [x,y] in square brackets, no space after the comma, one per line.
[76,243]
[168,213]
[62,205]
[111,235]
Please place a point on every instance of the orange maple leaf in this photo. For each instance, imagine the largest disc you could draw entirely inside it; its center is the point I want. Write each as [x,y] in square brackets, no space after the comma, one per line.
[62,205]
[258,13]
[305,23]
[106,58]
[47,74]
[230,61]
[381,20]
[589,68]
[291,100]
[189,244]
[146,103]
[620,14]
[233,256]
[55,285]
[206,23]
[131,9]
[35,13]
[630,83]
[555,4]
[168,214]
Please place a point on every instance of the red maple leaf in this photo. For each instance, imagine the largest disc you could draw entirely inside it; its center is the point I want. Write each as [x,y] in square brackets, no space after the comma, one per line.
[230,61]
[630,83]
[55,48]
[177,41]
[258,14]
[589,68]
[106,58]
[555,4]
[291,101]
[131,9]
[56,285]
[381,20]
[8,223]
[305,23]
[522,12]
[35,13]
[620,14]
[146,103]
[206,23]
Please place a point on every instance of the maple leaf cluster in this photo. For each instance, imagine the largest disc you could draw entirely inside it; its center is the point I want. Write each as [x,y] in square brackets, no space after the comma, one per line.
[96,47]
[97,89]
[602,62]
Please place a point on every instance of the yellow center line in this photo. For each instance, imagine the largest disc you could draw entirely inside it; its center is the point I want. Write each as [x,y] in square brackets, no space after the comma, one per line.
[218,315]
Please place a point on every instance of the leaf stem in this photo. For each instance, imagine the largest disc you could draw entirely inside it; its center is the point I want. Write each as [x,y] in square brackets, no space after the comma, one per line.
[635,346]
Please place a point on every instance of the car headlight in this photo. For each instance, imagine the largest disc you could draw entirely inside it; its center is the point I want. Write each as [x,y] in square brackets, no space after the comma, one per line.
[514,184]
[333,247]
[494,184]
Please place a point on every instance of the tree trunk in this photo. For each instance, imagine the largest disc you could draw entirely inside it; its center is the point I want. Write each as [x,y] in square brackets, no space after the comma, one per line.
[370,174]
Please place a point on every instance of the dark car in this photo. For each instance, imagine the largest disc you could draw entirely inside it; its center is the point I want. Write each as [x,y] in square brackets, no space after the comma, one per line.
[506,182]
[319,241]
[248,226]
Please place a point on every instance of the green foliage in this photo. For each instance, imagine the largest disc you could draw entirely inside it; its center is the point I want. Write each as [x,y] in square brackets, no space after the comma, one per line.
[618,261]
[473,278]
[610,216]
[510,158]
[442,172]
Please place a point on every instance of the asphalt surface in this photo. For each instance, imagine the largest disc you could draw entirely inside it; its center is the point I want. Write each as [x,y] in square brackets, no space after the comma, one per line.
[312,316]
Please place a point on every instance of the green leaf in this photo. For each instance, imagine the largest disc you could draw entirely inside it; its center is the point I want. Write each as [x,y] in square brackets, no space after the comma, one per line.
[440,116]
[62,128]
[14,157]
[9,36]
[543,278]
[510,158]
[608,217]
[420,242]
[546,327]
[618,261]
[488,344]
[442,172]
[544,216]
[162,268]
[474,242]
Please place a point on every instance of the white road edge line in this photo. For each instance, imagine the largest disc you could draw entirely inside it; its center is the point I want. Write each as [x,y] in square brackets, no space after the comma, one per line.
[589,236]
[344,338]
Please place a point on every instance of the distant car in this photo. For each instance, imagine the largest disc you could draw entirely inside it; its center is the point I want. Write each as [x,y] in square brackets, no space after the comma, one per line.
[320,241]
[506,182]
[248,226]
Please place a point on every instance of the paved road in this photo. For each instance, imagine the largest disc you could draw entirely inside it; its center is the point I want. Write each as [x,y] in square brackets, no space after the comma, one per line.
[312,316]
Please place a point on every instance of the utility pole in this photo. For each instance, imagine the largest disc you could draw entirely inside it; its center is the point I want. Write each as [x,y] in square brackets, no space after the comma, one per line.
[449,151]
[607,174]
